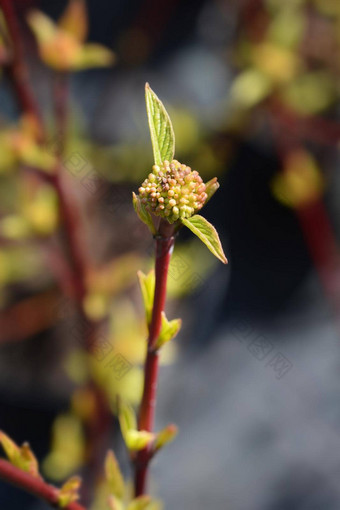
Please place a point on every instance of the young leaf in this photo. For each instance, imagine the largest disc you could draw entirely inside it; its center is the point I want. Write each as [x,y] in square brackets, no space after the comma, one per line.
[126,416]
[168,331]
[207,234]
[147,285]
[11,449]
[211,187]
[161,130]
[133,438]
[144,503]
[138,439]
[42,26]
[113,475]
[69,491]
[21,457]
[74,20]
[143,213]
[114,503]
[28,460]
[93,55]
[165,436]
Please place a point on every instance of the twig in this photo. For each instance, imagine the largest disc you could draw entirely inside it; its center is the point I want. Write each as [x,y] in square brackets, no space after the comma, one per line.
[70,215]
[34,485]
[73,229]
[164,248]
[17,67]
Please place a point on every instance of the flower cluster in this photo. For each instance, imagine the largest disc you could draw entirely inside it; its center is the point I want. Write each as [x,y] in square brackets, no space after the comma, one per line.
[173,191]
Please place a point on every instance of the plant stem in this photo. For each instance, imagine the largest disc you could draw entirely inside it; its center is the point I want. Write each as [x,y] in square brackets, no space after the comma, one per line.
[71,219]
[70,215]
[98,429]
[164,248]
[61,98]
[17,67]
[34,485]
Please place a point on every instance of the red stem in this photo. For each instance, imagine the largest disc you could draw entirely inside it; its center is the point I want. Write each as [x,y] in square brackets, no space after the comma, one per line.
[72,228]
[61,97]
[164,247]
[71,220]
[323,248]
[70,217]
[17,68]
[36,486]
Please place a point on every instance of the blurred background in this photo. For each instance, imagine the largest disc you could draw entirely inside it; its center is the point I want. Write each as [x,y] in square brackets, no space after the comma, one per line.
[253,378]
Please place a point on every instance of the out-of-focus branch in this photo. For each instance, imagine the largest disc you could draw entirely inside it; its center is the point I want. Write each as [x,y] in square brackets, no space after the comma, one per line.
[34,485]
[17,68]
[71,222]
[312,129]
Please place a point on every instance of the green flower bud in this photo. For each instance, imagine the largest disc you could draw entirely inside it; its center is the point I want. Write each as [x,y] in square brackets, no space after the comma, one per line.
[173,191]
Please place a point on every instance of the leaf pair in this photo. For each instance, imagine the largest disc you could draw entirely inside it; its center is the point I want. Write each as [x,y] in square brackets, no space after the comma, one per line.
[135,439]
[169,329]
[69,492]
[62,46]
[21,457]
[19,144]
[118,489]
[147,286]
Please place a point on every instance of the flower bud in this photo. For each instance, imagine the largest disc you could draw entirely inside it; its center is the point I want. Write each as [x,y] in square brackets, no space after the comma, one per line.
[180,191]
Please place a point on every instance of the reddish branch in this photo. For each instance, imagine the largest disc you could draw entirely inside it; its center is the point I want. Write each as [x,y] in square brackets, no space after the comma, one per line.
[17,67]
[70,214]
[71,221]
[323,249]
[19,76]
[309,128]
[164,247]
[313,217]
[97,429]
[36,486]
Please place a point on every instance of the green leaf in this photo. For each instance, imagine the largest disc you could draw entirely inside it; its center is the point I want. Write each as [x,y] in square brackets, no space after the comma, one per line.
[113,475]
[114,503]
[165,436]
[143,213]
[126,416]
[161,130]
[138,439]
[69,491]
[207,233]
[147,286]
[74,20]
[21,457]
[168,331]
[44,29]
[133,438]
[28,461]
[144,503]
[211,187]
[93,55]
[11,449]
